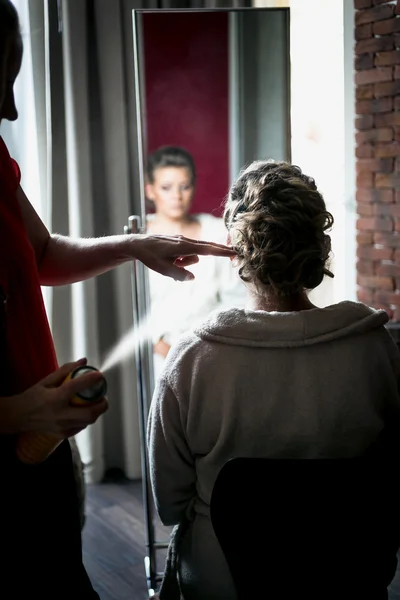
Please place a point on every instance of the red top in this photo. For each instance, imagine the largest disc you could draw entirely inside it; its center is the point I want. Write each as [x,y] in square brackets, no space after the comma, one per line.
[27,351]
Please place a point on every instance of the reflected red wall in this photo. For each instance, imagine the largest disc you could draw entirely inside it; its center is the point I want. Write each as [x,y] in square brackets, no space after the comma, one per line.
[187,95]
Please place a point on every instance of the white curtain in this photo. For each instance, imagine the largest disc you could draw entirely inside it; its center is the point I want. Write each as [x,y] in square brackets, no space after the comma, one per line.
[95,161]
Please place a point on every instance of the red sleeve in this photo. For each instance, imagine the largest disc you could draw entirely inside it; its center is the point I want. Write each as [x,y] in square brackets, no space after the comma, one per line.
[9,169]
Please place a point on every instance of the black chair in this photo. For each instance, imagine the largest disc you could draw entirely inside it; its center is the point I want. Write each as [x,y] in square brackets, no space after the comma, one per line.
[318,529]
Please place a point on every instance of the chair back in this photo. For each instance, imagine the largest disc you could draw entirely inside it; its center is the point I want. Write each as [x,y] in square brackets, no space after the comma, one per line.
[314,528]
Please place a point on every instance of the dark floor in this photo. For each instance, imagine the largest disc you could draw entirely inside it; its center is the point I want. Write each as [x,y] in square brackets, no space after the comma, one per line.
[114,541]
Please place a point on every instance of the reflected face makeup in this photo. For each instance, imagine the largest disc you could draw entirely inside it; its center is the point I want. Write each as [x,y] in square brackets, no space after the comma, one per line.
[172,192]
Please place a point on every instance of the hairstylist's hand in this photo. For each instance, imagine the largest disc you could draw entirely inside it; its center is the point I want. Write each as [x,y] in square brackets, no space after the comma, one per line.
[47,408]
[169,255]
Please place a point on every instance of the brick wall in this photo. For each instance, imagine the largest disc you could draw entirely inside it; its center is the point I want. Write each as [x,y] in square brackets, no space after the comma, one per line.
[377,64]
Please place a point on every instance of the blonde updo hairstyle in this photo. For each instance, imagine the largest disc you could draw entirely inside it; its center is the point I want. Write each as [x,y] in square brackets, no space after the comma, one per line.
[277,221]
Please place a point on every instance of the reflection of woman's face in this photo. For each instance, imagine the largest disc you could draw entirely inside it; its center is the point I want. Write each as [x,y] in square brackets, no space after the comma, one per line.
[172,192]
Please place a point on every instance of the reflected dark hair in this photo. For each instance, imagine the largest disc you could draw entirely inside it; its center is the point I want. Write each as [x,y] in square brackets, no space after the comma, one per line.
[170,156]
[277,219]
[9,21]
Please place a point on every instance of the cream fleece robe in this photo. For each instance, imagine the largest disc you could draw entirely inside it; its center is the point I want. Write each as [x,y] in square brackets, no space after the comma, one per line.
[312,384]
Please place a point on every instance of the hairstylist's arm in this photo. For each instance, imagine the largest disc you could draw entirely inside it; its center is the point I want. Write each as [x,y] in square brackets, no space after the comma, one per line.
[45,407]
[62,260]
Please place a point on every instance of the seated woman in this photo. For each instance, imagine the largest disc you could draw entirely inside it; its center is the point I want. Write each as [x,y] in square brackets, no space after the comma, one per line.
[275,380]
[175,308]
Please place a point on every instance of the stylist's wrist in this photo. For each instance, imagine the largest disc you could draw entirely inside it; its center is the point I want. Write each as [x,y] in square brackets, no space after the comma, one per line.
[133,247]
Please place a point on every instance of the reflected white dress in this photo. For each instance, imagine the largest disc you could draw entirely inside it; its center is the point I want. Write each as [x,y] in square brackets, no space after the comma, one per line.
[177,307]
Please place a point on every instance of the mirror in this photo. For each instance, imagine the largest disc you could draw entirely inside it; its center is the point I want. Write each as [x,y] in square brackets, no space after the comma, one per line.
[213,93]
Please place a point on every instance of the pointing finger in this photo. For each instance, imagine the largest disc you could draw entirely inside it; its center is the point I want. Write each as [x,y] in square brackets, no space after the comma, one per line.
[190,247]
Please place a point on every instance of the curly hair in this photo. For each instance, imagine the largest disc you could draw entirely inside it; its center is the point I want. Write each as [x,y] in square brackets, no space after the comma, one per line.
[277,221]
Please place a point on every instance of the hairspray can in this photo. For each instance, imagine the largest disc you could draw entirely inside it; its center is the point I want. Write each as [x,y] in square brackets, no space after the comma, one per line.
[92,394]
[33,448]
